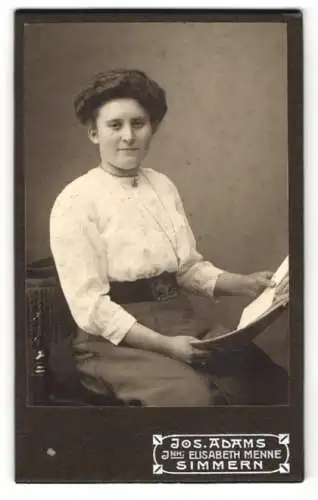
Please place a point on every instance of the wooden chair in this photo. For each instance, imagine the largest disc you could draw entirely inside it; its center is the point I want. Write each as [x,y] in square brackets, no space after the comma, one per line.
[52,375]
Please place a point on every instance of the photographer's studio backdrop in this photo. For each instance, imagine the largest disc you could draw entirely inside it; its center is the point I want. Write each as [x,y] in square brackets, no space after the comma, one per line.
[223,141]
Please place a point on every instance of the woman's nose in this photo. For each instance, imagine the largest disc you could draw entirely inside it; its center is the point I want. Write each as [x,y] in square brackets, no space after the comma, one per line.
[128,134]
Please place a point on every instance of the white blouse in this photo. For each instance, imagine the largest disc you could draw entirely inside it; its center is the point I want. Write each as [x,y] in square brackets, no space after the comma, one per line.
[104,229]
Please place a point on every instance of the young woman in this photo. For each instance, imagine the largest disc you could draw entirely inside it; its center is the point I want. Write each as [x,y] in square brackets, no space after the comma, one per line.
[124,252]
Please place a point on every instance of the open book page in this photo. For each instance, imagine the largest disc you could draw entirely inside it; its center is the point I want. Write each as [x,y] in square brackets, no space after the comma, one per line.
[263,303]
[256,317]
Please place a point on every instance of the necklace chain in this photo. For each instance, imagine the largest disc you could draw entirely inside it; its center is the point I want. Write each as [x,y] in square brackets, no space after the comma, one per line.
[134,183]
[173,245]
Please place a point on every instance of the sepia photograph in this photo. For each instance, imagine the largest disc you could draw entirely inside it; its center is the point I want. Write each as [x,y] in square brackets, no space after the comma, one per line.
[155,167]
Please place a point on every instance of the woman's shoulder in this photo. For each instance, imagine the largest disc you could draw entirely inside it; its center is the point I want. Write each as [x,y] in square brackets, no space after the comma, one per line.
[80,191]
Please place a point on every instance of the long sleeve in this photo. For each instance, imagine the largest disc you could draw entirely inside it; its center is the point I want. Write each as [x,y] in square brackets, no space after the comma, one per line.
[82,268]
[196,274]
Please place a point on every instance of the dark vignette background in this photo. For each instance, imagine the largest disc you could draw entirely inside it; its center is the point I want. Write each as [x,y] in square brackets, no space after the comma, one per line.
[229,160]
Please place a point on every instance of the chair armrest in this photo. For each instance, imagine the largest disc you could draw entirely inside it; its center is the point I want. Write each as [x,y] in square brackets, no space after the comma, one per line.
[37,356]
[48,322]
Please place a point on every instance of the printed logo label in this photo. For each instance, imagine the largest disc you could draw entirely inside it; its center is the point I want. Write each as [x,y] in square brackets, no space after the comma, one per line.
[221,454]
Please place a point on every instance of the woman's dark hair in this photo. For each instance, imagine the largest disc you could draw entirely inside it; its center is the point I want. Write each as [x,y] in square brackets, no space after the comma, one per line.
[121,83]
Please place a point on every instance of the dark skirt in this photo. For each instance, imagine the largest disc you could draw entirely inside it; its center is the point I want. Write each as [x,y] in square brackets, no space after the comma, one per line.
[243,375]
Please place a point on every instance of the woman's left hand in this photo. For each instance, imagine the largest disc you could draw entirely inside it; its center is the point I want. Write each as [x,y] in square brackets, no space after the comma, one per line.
[250,285]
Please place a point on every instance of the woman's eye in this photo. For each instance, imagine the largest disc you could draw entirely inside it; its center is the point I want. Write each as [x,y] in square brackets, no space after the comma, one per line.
[138,123]
[114,125]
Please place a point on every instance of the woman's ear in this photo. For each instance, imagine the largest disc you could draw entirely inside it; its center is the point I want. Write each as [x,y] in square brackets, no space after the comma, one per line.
[93,134]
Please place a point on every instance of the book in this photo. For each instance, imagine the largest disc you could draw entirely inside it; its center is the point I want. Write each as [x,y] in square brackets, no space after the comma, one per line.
[256,316]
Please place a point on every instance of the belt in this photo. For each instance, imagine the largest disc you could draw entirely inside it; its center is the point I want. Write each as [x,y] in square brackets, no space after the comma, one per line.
[158,289]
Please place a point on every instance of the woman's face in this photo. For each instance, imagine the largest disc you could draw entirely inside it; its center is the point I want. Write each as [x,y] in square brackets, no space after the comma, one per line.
[123,132]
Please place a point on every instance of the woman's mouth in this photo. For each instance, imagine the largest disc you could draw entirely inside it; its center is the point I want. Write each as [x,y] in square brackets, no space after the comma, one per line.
[128,150]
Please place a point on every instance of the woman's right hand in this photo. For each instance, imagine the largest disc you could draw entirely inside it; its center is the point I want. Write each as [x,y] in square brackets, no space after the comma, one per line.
[182,349]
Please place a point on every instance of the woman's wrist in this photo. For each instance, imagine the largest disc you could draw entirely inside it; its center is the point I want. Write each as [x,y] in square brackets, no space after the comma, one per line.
[227,284]
[142,337]
[250,285]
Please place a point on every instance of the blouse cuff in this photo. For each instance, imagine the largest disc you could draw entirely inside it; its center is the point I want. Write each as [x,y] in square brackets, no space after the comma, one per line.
[208,288]
[118,326]
[200,278]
